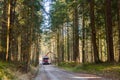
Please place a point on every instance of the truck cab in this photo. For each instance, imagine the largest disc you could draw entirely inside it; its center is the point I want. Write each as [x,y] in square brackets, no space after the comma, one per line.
[45,60]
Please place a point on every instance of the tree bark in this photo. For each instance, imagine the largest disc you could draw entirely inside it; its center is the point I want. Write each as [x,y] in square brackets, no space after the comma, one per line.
[68,46]
[109,29]
[119,26]
[8,30]
[4,29]
[62,44]
[92,19]
[58,47]
[83,36]
[75,35]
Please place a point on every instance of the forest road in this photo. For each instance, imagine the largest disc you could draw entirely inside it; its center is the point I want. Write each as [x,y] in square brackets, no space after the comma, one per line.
[50,72]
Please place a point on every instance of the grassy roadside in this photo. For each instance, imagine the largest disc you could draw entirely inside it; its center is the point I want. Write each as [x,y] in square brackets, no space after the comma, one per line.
[7,71]
[10,71]
[103,69]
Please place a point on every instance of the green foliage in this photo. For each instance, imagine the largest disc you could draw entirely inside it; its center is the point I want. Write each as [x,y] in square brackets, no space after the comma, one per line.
[32,3]
[67,64]
[112,69]
[101,68]
[59,14]
[5,71]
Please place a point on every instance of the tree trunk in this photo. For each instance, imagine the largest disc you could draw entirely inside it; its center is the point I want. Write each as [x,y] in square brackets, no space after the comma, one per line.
[62,43]
[19,47]
[95,47]
[58,47]
[4,29]
[83,37]
[12,33]
[75,35]
[68,48]
[8,30]
[38,48]
[92,19]
[119,26]
[109,34]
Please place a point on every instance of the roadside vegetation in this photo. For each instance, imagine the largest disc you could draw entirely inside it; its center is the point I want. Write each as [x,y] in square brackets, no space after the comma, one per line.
[110,70]
[7,71]
[14,71]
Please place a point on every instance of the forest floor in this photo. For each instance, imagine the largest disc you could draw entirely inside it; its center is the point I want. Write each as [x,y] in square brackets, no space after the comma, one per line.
[27,76]
[108,70]
[10,71]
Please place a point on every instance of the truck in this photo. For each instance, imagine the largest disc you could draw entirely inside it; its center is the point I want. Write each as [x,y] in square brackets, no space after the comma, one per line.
[45,60]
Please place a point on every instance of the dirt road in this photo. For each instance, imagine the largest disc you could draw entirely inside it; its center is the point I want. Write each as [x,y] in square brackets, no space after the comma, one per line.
[49,72]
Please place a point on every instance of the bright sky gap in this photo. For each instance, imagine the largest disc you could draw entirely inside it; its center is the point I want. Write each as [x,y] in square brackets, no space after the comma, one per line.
[45,25]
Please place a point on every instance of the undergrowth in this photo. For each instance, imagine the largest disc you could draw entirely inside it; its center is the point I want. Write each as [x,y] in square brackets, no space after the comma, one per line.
[104,69]
[6,71]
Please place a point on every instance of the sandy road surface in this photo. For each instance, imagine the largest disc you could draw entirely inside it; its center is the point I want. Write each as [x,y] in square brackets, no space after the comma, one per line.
[49,72]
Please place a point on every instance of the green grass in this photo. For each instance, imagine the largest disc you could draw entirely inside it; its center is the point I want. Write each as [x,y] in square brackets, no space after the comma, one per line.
[6,71]
[109,69]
